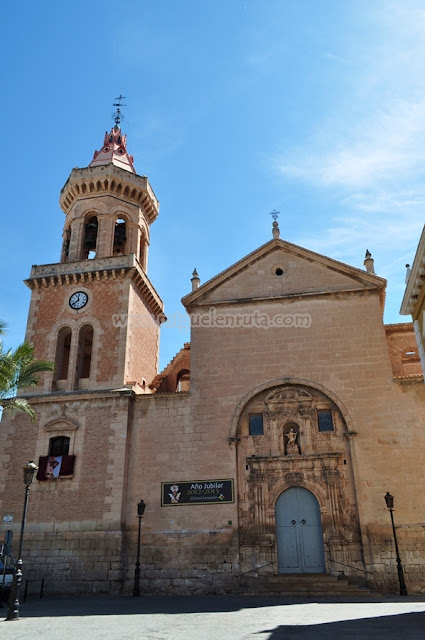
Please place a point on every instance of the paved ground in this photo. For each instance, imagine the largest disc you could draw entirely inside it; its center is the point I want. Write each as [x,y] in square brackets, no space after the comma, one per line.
[216,618]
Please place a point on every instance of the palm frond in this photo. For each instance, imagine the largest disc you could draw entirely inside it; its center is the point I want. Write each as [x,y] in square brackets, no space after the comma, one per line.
[19,370]
[18,405]
[29,373]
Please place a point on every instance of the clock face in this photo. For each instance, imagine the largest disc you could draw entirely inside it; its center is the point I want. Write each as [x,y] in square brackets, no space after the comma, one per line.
[78,300]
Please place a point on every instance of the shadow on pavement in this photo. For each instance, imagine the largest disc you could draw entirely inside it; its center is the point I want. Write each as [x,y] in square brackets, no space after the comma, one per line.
[52,606]
[407,626]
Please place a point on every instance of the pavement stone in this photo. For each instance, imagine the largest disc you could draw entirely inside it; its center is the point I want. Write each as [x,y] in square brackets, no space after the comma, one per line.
[216,618]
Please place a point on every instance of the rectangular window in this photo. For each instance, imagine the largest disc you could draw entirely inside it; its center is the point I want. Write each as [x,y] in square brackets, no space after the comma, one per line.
[256,424]
[325,420]
[59,446]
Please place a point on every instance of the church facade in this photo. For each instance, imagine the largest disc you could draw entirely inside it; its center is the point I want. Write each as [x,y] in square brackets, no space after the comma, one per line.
[266,446]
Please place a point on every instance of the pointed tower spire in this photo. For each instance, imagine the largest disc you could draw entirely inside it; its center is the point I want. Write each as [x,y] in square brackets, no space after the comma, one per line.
[114,148]
[114,151]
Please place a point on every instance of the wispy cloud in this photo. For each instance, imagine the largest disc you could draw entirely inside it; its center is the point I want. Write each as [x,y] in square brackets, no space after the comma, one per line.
[335,57]
[369,155]
[373,135]
[378,149]
[349,236]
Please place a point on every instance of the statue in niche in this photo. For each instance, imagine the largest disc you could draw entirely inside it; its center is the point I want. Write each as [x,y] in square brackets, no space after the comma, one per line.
[291,446]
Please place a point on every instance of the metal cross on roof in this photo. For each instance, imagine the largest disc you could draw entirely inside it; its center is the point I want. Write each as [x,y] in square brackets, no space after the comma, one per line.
[118,117]
[274,214]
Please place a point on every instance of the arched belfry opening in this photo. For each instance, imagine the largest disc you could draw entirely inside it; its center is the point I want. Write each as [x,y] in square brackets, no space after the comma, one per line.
[62,356]
[66,245]
[120,237]
[84,356]
[293,436]
[143,250]
[90,238]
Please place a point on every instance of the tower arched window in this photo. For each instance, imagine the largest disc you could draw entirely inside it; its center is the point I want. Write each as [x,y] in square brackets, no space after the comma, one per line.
[84,356]
[120,237]
[66,245]
[143,251]
[90,238]
[63,349]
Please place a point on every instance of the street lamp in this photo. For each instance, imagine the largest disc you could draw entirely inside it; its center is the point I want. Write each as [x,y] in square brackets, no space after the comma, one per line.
[389,500]
[13,614]
[140,511]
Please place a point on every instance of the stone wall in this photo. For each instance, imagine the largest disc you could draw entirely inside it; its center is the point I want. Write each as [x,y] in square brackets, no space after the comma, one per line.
[73,537]
[185,548]
[73,557]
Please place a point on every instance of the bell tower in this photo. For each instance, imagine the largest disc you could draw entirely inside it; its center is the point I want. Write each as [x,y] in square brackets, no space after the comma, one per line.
[95,313]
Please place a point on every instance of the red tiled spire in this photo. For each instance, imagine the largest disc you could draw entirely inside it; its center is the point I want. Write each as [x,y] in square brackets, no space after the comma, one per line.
[114,151]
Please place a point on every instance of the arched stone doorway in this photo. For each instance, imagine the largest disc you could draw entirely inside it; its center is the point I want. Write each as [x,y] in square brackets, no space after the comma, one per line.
[293,436]
[299,532]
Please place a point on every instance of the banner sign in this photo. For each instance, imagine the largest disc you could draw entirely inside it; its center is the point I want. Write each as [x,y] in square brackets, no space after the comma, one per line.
[174,494]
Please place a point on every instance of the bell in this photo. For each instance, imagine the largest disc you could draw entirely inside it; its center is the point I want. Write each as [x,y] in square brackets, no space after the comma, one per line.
[120,235]
[90,241]
[90,235]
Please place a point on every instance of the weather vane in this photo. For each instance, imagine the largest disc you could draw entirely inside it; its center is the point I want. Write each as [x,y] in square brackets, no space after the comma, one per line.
[118,117]
[274,214]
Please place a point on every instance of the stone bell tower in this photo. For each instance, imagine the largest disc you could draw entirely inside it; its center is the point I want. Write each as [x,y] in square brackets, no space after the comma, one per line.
[95,313]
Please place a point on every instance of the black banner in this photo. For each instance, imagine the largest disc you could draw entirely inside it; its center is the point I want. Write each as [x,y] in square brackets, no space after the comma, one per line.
[174,494]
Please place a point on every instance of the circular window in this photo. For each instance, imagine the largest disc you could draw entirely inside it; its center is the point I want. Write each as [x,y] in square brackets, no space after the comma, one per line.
[279,272]
[121,151]
[106,149]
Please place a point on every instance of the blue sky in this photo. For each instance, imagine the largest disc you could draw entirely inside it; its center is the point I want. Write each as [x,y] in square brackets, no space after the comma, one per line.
[234,108]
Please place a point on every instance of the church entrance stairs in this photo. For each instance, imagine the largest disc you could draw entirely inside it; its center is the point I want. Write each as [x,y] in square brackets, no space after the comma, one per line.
[301,585]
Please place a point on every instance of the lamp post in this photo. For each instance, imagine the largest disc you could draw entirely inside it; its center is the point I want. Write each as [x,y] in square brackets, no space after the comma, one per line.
[140,511]
[389,500]
[13,614]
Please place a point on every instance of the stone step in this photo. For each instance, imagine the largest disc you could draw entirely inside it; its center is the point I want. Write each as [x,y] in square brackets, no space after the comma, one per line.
[306,578]
[300,585]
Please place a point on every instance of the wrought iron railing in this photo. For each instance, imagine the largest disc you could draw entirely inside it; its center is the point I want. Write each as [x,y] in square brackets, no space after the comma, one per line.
[348,566]
[239,575]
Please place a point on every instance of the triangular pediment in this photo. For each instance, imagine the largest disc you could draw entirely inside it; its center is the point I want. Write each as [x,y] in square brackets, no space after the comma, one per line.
[280,269]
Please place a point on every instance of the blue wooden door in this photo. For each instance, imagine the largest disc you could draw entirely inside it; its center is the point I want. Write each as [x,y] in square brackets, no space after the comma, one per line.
[299,532]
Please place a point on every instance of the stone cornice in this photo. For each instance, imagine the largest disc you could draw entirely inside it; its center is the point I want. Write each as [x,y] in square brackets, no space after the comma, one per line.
[416,279]
[96,270]
[109,179]
[252,460]
[284,296]
[405,326]
[410,379]
[73,396]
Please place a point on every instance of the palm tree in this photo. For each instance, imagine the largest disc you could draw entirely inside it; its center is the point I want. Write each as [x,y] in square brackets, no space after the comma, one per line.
[19,370]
